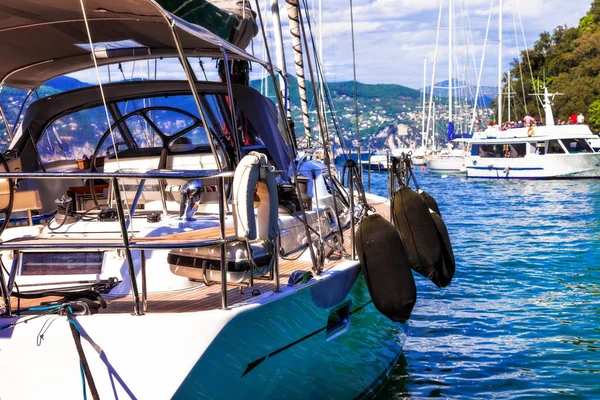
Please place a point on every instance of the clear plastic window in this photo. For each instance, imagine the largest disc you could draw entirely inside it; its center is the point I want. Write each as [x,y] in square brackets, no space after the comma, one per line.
[73,136]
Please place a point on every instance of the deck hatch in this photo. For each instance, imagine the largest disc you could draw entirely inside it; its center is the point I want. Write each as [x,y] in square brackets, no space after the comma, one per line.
[61,263]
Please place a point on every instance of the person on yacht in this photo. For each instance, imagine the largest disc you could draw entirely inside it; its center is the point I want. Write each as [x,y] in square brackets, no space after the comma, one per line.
[580,119]
[573,119]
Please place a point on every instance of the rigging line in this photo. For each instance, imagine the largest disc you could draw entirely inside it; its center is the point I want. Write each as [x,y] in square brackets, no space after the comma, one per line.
[318,67]
[288,131]
[435,55]
[278,94]
[527,54]
[322,115]
[355,86]
[292,7]
[322,118]
[477,90]
[317,108]
[327,95]
[101,87]
[520,64]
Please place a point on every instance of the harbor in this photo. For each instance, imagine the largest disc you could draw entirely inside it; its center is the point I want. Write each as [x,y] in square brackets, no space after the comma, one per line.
[216,199]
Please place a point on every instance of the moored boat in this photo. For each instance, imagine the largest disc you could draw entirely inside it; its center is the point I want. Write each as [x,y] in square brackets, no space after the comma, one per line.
[536,152]
[186,244]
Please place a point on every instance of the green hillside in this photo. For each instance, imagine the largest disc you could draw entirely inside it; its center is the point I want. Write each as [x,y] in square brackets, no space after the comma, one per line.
[567,61]
[381,108]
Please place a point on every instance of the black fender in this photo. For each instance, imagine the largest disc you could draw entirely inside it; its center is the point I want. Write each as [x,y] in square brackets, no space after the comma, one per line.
[386,268]
[431,203]
[418,232]
[445,272]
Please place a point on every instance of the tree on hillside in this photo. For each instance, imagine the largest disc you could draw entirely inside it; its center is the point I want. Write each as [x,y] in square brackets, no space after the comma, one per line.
[567,61]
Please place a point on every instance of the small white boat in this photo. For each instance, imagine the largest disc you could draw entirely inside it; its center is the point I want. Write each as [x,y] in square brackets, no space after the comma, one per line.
[448,161]
[376,162]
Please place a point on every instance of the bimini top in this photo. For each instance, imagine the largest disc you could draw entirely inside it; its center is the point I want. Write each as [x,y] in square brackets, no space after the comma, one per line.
[43,39]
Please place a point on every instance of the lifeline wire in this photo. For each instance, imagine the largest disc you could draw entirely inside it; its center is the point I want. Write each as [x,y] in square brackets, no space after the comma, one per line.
[112,137]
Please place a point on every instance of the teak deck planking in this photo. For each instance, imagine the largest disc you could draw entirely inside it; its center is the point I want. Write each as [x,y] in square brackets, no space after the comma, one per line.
[207,297]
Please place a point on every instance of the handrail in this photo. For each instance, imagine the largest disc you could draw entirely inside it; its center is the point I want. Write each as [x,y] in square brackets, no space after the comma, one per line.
[126,243]
[153,174]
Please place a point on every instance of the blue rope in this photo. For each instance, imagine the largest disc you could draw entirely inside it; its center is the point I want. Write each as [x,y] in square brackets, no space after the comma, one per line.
[42,308]
[83,381]
[74,323]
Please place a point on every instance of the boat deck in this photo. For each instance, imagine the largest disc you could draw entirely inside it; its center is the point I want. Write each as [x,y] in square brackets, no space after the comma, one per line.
[207,297]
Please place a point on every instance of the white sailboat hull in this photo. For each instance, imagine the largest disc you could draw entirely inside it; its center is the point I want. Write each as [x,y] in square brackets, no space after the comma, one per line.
[446,165]
[586,165]
[279,345]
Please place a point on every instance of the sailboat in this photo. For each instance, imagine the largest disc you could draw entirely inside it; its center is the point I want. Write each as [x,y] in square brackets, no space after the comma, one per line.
[162,239]
[451,159]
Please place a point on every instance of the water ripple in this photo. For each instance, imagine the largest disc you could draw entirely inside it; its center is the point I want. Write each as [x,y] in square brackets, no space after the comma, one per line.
[522,317]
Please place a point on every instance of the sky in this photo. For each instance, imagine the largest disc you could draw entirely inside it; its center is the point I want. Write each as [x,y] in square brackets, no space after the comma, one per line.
[393,37]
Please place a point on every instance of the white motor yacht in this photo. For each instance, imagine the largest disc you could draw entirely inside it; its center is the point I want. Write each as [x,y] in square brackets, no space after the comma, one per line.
[536,152]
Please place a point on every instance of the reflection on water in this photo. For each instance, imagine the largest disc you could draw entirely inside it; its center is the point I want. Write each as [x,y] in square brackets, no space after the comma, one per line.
[522,317]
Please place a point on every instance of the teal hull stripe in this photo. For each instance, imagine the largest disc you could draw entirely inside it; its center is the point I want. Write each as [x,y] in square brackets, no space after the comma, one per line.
[257,362]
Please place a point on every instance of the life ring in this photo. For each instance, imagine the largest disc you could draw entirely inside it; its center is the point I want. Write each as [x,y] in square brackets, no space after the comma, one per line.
[386,268]
[416,227]
[254,175]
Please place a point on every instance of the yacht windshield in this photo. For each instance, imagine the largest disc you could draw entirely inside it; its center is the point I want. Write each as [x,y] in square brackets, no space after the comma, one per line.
[575,146]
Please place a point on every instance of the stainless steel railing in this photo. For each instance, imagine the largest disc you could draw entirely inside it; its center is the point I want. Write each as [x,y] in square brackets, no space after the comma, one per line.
[127,244]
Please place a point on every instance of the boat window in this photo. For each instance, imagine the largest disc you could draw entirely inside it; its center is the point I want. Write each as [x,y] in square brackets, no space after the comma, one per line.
[575,146]
[554,147]
[517,150]
[475,150]
[142,132]
[170,122]
[540,148]
[491,150]
[74,136]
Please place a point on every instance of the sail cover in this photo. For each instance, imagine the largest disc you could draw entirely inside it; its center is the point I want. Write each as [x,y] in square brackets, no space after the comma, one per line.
[42,39]
[232,20]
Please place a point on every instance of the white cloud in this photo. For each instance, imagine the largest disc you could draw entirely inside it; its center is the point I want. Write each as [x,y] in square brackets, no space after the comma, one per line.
[393,36]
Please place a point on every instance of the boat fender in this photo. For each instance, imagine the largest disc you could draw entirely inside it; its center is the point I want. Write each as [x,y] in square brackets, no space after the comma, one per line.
[418,232]
[254,173]
[430,201]
[386,268]
[445,271]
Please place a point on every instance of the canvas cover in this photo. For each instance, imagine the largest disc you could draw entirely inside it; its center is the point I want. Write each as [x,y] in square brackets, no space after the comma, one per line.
[42,39]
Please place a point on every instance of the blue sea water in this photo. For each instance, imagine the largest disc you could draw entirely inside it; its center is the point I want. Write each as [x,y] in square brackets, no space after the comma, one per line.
[522,317]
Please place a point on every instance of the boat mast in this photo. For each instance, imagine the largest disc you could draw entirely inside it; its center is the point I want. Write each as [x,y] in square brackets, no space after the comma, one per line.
[279,51]
[423,133]
[292,6]
[450,100]
[500,63]
[435,54]
[508,95]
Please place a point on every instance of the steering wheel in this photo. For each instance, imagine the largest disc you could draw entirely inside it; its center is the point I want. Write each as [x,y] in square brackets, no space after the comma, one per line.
[165,138]
[7,210]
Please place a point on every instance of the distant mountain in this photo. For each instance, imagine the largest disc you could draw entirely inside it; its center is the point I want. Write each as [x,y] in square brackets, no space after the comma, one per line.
[486,93]
[65,84]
